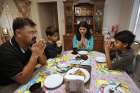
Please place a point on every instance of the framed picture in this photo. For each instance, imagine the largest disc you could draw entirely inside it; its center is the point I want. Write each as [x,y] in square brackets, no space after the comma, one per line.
[77,11]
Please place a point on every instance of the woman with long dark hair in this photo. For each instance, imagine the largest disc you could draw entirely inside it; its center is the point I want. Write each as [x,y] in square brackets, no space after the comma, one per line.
[83,38]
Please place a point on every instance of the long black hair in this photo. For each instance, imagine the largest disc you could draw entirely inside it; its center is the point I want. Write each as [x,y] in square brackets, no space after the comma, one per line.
[83,24]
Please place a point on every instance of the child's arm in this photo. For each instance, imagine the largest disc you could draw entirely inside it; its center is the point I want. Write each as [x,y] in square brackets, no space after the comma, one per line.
[107,53]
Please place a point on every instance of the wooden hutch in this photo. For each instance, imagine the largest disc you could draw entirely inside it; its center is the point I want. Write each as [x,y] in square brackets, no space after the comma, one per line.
[84,10]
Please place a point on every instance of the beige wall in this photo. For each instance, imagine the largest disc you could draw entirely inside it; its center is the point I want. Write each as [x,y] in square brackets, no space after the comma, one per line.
[111,14]
[36,16]
[47,16]
[125,14]
[117,12]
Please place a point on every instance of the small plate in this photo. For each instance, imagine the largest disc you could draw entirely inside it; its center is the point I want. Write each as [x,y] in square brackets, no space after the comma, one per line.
[53,81]
[100,59]
[83,52]
[84,71]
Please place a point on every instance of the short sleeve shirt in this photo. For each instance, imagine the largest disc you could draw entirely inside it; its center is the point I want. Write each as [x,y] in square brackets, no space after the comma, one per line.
[12,61]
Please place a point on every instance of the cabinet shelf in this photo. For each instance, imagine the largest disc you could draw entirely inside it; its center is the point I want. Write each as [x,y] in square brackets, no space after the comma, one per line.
[77,12]
[83,16]
[77,24]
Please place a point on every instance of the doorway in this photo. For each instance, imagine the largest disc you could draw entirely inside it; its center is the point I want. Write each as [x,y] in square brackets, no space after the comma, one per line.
[48,16]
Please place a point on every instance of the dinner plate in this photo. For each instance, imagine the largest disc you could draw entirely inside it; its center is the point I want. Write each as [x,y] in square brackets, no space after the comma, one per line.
[73,71]
[83,52]
[53,81]
[74,77]
[108,88]
[97,54]
[100,59]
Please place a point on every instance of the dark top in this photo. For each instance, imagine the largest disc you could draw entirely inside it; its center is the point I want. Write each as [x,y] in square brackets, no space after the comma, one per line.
[52,50]
[12,61]
[123,60]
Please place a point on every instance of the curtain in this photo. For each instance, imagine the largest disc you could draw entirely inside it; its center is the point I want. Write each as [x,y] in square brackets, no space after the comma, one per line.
[23,7]
[1,6]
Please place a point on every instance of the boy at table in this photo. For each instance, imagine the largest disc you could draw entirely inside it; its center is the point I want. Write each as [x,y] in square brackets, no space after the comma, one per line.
[119,54]
[53,46]
[20,55]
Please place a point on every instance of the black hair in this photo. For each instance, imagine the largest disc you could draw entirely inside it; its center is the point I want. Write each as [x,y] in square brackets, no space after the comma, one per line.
[21,22]
[50,31]
[126,37]
[83,24]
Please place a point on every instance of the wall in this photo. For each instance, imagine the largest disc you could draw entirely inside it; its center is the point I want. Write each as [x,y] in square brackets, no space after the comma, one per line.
[117,12]
[125,14]
[61,18]
[47,16]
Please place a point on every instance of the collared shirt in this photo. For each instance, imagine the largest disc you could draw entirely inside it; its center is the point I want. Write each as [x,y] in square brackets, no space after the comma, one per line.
[12,61]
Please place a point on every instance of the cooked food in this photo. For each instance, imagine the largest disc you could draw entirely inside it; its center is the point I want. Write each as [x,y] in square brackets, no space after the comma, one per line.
[84,57]
[79,73]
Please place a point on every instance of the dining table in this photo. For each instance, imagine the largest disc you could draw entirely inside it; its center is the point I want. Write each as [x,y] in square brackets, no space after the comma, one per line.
[100,75]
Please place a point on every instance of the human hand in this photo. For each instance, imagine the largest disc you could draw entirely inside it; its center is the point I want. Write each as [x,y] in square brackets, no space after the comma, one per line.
[59,43]
[84,42]
[107,46]
[38,48]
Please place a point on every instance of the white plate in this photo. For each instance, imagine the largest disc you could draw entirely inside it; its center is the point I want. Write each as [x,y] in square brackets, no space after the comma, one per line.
[100,59]
[112,87]
[72,71]
[98,54]
[74,77]
[83,52]
[53,81]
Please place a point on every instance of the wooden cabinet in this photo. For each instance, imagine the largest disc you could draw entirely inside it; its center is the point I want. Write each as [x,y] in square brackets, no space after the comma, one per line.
[68,10]
[68,41]
[92,13]
[84,12]
[99,42]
